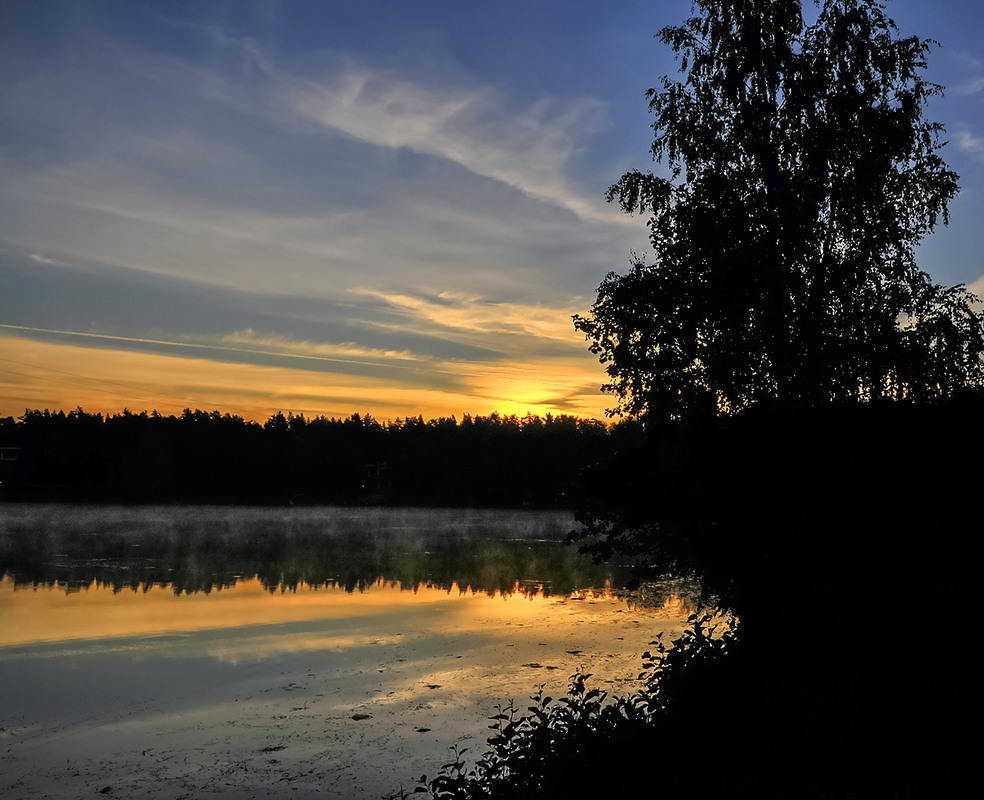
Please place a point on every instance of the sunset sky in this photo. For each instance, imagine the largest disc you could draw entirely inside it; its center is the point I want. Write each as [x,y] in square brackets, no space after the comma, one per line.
[348,206]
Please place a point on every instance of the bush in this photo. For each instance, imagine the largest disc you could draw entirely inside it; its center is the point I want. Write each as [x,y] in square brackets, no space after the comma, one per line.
[585,742]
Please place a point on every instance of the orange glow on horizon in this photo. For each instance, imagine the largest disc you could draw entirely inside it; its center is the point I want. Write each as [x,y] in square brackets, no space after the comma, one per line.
[61,377]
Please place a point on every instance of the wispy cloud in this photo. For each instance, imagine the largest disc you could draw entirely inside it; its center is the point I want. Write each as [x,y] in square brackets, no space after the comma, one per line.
[971,81]
[248,340]
[529,150]
[266,350]
[969,143]
[973,85]
[470,318]
[53,262]
[66,371]
[977,288]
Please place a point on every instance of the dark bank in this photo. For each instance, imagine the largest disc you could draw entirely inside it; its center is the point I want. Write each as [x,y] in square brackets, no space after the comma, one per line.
[209,457]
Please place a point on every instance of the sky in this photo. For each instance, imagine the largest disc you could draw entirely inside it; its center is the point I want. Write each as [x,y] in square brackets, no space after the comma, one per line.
[324,208]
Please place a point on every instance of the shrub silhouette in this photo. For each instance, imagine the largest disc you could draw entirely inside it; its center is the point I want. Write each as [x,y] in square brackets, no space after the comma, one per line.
[585,743]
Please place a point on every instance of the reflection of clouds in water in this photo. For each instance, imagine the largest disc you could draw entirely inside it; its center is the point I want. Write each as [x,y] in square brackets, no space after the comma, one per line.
[247,618]
[52,614]
[111,649]
[261,647]
[209,699]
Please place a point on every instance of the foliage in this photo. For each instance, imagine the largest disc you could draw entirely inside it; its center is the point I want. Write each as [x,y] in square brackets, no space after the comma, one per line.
[814,504]
[208,457]
[801,176]
[844,681]
[569,747]
[809,397]
[847,541]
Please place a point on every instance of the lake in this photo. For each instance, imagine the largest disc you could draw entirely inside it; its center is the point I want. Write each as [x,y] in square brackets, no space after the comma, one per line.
[288,652]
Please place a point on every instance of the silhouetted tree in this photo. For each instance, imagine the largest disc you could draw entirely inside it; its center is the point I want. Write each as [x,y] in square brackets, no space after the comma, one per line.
[782,347]
[801,176]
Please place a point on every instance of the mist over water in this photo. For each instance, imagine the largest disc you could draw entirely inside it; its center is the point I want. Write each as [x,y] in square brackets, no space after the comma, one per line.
[201,548]
[173,650]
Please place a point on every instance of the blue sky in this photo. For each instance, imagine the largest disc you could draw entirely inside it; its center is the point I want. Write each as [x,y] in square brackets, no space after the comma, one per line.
[327,207]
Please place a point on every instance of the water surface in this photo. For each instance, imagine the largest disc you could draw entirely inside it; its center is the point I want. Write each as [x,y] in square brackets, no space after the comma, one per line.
[331,652]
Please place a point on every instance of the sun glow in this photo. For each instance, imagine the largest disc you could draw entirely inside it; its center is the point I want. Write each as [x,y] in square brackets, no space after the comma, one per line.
[39,375]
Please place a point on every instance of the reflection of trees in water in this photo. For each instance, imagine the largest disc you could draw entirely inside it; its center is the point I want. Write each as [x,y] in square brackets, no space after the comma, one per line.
[201,549]
[679,597]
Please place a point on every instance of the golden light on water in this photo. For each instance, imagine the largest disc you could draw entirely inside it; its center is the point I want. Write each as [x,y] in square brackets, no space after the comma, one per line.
[140,682]
[53,613]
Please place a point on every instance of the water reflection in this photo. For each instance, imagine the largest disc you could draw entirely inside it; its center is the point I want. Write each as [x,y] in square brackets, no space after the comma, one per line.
[203,548]
[96,572]
[51,613]
[163,650]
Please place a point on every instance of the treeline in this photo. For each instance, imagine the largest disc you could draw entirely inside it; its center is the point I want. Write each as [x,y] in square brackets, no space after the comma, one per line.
[209,457]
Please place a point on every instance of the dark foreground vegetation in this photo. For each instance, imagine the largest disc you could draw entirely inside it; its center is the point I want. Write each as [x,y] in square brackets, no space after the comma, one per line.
[202,457]
[847,544]
[813,406]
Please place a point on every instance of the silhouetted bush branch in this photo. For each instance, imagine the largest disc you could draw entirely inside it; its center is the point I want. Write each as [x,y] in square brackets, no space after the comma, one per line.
[586,744]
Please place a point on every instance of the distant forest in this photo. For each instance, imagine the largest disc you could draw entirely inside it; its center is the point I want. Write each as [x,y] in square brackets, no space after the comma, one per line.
[208,457]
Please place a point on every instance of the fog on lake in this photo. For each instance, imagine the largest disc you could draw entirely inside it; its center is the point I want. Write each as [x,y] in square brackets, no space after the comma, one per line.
[201,548]
[155,649]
